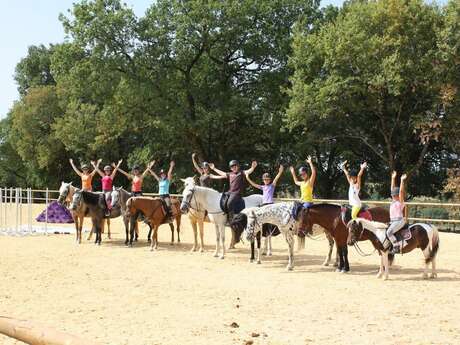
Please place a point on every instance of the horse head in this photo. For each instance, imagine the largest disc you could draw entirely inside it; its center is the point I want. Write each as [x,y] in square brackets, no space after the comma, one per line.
[187,194]
[64,192]
[303,220]
[76,199]
[355,231]
[115,196]
[238,224]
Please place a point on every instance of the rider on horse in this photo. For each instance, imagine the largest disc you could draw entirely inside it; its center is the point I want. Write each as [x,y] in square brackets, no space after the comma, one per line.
[236,179]
[107,184]
[136,178]
[307,183]
[164,181]
[268,188]
[86,176]
[355,186]
[397,220]
[205,173]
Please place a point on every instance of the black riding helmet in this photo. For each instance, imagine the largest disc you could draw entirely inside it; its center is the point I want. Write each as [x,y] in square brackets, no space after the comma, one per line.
[205,165]
[135,167]
[233,162]
[302,170]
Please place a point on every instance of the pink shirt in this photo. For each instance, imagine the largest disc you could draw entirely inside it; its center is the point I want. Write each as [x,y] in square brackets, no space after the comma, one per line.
[107,183]
[396,210]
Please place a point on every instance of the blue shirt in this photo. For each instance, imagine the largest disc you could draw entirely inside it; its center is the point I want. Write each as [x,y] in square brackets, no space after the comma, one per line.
[163,187]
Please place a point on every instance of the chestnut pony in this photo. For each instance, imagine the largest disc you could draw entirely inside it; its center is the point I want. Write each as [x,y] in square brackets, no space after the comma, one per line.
[153,209]
[329,216]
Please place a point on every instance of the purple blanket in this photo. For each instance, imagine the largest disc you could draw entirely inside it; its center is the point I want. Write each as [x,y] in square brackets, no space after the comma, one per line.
[56,214]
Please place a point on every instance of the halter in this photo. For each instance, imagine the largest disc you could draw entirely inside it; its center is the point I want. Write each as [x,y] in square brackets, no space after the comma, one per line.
[358,248]
[193,197]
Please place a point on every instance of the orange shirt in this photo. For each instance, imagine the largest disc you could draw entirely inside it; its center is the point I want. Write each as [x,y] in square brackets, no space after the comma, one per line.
[86,182]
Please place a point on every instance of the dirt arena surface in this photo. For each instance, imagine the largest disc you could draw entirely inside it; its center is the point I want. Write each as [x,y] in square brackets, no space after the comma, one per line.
[117,295]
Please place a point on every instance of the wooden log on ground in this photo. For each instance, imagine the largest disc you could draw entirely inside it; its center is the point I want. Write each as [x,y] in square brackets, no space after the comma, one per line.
[35,334]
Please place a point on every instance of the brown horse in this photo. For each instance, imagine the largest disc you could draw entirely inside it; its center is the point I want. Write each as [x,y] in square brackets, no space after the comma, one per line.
[329,216]
[423,236]
[66,192]
[153,209]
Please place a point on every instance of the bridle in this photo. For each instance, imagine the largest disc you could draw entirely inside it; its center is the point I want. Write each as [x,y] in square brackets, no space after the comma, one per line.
[356,245]
[193,198]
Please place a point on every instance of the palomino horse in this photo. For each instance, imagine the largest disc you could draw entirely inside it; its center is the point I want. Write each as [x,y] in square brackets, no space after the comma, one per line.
[90,201]
[153,209]
[280,214]
[329,217]
[200,199]
[66,192]
[119,198]
[423,236]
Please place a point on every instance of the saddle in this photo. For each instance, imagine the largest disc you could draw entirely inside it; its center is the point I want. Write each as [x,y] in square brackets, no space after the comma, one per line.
[345,213]
[403,236]
[238,207]
[298,206]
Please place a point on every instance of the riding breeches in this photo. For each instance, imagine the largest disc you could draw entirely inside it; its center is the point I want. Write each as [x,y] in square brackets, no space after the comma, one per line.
[232,201]
[355,211]
[394,227]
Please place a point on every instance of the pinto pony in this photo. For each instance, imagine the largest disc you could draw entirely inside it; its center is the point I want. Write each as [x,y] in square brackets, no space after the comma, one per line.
[154,211]
[423,236]
[329,216]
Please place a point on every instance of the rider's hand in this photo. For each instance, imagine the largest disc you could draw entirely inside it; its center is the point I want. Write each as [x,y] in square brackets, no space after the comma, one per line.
[394,174]
[292,169]
[70,160]
[120,161]
[364,165]
[193,154]
[172,164]
[403,177]
[308,160]
[211,165]
[253,164]
[281,168]
[343,165]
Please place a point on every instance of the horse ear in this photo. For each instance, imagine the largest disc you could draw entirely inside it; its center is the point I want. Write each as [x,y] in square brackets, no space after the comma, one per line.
[71,183]
[195,178]
[183,180]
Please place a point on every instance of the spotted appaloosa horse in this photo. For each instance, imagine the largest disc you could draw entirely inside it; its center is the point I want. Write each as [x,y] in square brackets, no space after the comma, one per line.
[423,236]
[279,214]
[329,216]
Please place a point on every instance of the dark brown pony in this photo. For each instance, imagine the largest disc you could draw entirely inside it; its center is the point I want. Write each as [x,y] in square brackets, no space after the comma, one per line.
[153,209]
[423,236]
[329,216]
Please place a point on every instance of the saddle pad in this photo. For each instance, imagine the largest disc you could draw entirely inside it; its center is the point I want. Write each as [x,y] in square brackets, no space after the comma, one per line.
[365,214]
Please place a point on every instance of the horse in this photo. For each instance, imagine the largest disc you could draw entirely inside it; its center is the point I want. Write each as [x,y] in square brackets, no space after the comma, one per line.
[119,198]
[153,209]
[91,201]
[329,216]
[200,199]
[423,236]
[283,215]
[66,192]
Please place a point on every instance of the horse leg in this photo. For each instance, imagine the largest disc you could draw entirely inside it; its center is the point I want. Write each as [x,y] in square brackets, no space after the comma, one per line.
[380,273]
[341,258]
[109,235]
[216,253]
[222,236]
[136,232]
[201,228]
[132,226]
[290,242]
[171,226]
[149,235]
[258,247]
[232,242]
[433,268]
[331,248]
[386,265]
[252,258]
[269,250]
[126,221]
[346,268]
[90,233]
[195,234]
[178,218]
[426,254]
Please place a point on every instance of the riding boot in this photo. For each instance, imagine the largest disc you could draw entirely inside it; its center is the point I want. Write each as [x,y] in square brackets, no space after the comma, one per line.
[396,249]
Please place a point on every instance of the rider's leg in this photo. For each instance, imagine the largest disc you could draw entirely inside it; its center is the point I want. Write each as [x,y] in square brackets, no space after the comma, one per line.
[394,227]
[355,211]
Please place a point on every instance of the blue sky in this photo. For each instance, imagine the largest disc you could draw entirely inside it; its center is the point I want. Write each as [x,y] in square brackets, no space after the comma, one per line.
[32,22]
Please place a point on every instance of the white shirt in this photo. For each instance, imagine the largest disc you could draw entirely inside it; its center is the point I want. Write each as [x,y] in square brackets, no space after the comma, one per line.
[353,195]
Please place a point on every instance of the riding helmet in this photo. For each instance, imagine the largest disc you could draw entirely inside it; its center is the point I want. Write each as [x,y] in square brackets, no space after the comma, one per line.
[353,173]
[162,172]
[302,170]
[136,167]
[107,168]
[395,191]
[205,165]
[84,166]
[233,162]
[266,176]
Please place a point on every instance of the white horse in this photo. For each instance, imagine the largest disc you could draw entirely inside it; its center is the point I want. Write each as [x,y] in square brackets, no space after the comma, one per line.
[280,214]
[423,236]
[200,199]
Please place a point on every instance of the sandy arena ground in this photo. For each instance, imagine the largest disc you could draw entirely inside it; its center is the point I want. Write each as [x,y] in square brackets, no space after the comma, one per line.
[117,295]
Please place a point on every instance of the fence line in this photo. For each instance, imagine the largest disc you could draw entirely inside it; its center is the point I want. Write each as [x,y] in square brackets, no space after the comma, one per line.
[13,200]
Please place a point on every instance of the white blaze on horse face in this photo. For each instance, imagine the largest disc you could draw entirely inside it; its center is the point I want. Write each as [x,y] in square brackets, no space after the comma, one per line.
[115,195]
[75,200]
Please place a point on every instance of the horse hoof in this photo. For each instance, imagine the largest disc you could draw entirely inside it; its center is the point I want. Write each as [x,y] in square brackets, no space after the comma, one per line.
[433,275]
[222,257]
[251,261]
[344,271]
[425,276]
[193,249]
[326,263]
[289,268]
[258,262]
[264,254]
[386,278]
[379,275]
[216,255]
[201,250]
[338,270]
[270,254]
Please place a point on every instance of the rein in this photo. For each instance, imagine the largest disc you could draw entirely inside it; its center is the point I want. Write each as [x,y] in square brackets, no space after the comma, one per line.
[358,248]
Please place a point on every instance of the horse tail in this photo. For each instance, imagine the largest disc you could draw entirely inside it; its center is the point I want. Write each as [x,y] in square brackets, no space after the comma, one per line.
[434,244]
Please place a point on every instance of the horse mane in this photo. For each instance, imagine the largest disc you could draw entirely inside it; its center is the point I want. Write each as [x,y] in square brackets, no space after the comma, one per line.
[371,225]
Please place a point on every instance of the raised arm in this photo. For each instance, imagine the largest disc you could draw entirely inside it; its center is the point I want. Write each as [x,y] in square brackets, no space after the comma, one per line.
[129,176]
[278,176]
[154,175]
[252,183]
[74,167]
[402,189]
[114,172]
[170,171]
[251,169]
[217,177]
[294,176]
[96,168]
[393,180]
[343,166]
[196,165]
[313,171]
[219,172]
[361,172]
[149,166]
